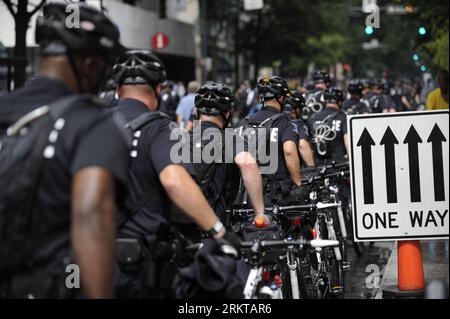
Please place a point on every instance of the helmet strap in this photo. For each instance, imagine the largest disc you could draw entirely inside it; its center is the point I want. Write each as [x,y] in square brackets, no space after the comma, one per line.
[75,71]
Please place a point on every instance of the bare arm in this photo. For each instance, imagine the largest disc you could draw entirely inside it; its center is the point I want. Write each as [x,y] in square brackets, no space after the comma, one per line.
[292,161]
[180,121]
[185,193]
[347,144]
[93,230]
[252,180]
[306,153]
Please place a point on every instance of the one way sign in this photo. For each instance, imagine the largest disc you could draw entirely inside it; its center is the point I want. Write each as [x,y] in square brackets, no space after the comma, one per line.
[400,176]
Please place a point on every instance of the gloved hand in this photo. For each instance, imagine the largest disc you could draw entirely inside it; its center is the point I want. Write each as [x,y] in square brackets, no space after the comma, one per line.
[262,221]
[230,244]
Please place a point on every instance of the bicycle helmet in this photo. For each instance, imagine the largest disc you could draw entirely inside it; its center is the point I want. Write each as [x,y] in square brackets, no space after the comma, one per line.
[355,87]
[321,77]
[273,88]
[214,99]
[333,95]
[295,101]
[96,32]
[139,67]
[365,84]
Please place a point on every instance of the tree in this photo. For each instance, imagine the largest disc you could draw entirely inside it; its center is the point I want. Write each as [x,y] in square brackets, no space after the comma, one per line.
[22,15]
[434,15]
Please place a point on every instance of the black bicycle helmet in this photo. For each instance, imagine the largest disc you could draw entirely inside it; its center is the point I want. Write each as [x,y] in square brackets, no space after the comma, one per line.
[95,33]
[139,67]
[273,88]
[168,84]
[374,83]
[333,95]
[214,99]
[365,84]
[296,101]
[355,87]
[321,77]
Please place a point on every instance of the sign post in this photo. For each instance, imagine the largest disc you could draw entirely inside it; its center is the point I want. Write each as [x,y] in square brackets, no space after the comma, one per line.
[400,185]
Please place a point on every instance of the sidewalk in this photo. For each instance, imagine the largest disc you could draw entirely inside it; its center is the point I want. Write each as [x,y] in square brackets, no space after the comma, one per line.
[435,263]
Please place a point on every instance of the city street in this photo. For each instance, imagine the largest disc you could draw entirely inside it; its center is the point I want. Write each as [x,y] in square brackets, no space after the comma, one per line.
[218,155]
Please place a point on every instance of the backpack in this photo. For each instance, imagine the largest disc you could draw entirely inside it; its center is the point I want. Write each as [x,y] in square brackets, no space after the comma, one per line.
[134,128]
[203,174]
[323,134]
[268,125]
[314,104]
[23,151]
[375,104]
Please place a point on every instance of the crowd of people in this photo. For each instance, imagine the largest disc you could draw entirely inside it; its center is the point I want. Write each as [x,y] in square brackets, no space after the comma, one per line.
[95,185]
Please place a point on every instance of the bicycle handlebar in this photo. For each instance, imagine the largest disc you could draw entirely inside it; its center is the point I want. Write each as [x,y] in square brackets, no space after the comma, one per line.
[258,245]
[281,209]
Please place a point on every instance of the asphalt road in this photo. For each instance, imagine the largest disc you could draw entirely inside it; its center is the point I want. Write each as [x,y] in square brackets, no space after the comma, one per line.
[364,277]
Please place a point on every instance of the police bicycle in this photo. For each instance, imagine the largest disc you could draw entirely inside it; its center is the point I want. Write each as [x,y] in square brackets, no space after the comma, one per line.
[327,181]
[294,273]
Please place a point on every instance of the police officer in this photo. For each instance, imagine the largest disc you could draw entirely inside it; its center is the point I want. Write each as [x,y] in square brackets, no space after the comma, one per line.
[214,102]
[354,105]
[314,99]
[366,92]
[274,92]
[84,173]
[377,103]
[154,180]
[330,129]
[294,108]
[169,100]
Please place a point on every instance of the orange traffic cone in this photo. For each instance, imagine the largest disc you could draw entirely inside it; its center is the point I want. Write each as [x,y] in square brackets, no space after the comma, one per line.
[410,266]
[411,279]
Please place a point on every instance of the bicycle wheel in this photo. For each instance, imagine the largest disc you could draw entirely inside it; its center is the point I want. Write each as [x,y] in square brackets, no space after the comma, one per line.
[359,248]
[306,283]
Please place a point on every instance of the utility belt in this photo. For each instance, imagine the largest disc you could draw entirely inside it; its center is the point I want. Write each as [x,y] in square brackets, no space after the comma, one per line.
[156,259]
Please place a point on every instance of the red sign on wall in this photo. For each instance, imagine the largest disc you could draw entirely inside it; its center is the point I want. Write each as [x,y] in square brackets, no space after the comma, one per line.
[160,41]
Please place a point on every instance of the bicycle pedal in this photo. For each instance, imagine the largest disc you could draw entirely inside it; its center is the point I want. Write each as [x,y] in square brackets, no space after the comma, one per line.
[346,266]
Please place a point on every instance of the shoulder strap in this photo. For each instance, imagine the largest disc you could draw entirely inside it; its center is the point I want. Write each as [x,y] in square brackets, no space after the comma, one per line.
[55,109]
[145,119]
[274,119]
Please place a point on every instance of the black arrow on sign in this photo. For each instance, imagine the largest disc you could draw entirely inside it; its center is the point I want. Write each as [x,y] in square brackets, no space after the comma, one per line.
[389,141]
[366,142]
[413,140]
[437,138]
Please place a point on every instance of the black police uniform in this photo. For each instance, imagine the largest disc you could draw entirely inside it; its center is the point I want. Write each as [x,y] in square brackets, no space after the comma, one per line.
[153,156]
[303,130]
[36,92]
[354,106]
[91,137]
[287,131]
[377,103]
[337,149]
[315,96]
[153,215]
[225,177]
